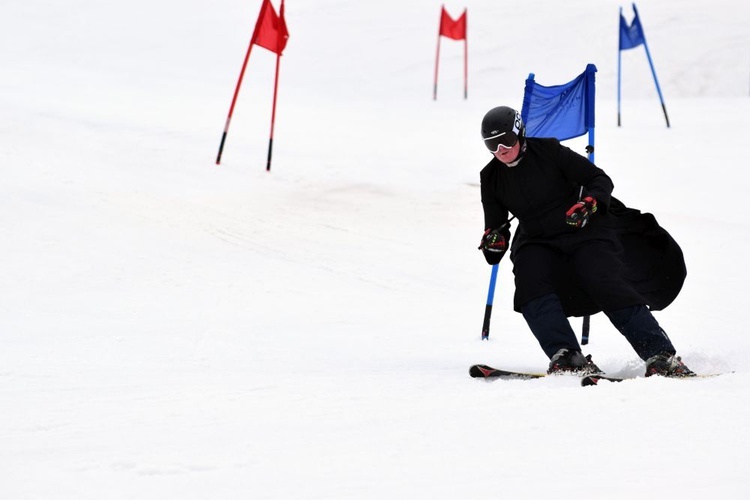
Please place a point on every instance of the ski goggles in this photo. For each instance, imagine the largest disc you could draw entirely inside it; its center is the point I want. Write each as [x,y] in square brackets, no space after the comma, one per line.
[504,140]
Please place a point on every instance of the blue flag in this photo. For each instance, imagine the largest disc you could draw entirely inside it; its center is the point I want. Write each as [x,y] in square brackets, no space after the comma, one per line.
[631,36]
[562,111]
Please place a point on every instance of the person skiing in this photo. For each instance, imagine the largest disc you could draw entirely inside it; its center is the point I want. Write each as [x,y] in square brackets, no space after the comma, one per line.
[577,250]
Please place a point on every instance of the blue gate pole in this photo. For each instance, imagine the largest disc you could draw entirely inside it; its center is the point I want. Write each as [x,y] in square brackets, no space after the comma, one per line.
[653,72]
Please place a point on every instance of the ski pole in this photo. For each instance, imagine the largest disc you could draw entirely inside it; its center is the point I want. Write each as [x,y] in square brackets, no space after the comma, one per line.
[488,307]
[491,295]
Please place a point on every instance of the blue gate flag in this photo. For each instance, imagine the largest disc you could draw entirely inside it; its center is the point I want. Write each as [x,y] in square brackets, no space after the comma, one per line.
[562,111]
[631,36]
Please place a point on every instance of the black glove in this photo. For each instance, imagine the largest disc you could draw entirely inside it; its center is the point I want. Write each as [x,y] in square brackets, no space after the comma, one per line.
[493,241]
[578,215]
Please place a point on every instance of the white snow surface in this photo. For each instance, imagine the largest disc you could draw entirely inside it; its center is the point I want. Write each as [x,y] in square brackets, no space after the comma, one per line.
[174,329]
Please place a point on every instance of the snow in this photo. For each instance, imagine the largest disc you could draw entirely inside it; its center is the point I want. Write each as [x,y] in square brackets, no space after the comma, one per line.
[170,328]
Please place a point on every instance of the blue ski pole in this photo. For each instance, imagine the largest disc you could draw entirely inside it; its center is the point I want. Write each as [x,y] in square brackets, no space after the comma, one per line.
[491,295]
[488,308]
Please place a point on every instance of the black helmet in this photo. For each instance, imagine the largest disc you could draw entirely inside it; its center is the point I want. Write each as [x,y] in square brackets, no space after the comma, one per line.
[502,126]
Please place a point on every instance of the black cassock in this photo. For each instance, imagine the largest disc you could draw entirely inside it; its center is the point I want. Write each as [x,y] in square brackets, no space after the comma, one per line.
[548,181]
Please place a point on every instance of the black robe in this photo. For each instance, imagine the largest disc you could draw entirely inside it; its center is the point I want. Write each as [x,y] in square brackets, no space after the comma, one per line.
[541,188]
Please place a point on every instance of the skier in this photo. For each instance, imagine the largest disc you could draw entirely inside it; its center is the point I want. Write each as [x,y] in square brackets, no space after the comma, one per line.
[577,250]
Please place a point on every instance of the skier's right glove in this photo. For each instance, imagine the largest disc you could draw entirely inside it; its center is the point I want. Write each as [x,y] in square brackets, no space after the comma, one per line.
[578,215]
[493,241]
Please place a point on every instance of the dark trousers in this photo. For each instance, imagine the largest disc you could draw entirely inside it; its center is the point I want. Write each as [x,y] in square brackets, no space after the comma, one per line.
[550,326]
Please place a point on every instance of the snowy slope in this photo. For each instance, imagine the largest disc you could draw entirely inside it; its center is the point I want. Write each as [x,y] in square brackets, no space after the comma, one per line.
[170,328]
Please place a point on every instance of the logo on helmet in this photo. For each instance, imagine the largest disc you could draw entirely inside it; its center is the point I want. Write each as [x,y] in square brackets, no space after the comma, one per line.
[517,124]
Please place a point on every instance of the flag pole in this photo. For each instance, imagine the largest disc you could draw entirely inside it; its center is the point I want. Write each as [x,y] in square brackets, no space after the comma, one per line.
[466,56]
[437,57]
[653,72]
[234,100]
[275,92]
[619,70]
[591,117]
[239,81]
[273,113]
[586,326]
[656,81]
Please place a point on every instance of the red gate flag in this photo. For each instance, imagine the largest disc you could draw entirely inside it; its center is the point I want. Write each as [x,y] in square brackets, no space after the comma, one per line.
[449,28]
[270,33]
[270,30]
[455,30]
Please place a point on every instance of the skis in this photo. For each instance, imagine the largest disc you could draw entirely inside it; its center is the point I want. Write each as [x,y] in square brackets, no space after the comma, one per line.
[484,371]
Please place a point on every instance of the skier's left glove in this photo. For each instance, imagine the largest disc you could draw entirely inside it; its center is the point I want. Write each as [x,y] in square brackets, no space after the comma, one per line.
[578,215]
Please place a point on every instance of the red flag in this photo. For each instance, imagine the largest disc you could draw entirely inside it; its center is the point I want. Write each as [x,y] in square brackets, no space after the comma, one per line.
[270,30]
[453,29]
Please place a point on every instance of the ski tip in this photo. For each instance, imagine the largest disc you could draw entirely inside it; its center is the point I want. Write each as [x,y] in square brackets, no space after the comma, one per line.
[480,371]
[484,371]
[594,379]
[587,381]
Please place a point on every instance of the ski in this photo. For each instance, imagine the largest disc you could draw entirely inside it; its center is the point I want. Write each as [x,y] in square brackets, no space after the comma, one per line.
[594,379]
[484,371]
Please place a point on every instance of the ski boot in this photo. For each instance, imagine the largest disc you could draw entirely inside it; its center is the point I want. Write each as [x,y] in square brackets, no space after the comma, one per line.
[667,365]
[568,361]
